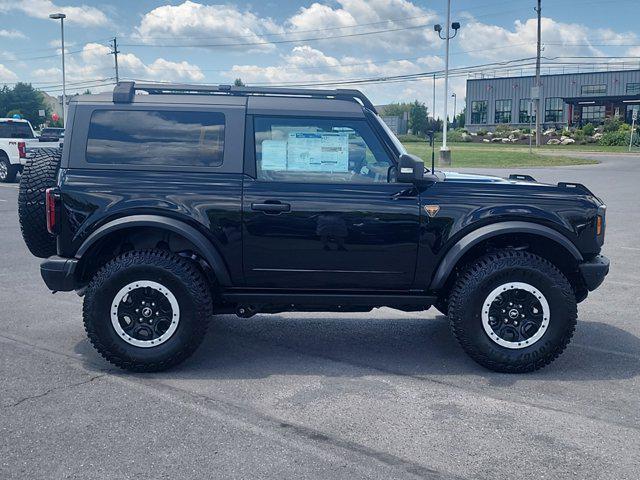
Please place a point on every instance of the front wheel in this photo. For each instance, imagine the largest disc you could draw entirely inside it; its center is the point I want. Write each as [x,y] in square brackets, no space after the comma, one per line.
[513,311]
[147,310]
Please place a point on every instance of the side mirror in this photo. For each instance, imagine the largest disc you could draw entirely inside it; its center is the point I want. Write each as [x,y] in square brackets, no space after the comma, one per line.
[410,169]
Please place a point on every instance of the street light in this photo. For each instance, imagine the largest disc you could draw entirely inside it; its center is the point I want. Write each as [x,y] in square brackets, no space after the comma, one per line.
[455,100]
[445,152]
[61,17]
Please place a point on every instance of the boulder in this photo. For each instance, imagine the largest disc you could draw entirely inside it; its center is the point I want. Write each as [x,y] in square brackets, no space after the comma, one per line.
[506,140]
[550,132]
[597,136]
[486,140]
[567,141]
[553,141]
[496,139]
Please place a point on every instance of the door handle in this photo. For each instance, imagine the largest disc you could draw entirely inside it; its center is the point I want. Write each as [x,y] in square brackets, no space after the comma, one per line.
[271,206]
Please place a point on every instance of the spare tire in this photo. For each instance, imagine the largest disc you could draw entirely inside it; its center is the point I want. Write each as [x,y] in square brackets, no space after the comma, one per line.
[40,173]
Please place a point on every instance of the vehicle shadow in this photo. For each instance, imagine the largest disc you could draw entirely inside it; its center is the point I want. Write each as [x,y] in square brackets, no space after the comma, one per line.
[354,346]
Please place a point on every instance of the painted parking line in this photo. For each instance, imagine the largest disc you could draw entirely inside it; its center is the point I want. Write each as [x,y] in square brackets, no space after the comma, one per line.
[9,186]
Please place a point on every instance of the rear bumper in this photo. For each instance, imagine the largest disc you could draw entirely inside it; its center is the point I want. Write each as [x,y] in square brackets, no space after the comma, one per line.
[594,271]
[59,273]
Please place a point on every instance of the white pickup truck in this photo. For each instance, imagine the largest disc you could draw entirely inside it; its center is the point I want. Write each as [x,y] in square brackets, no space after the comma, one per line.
[15,136]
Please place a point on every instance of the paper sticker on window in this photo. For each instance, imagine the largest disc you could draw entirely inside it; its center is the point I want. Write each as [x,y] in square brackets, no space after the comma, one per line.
[274,155]
[318,152]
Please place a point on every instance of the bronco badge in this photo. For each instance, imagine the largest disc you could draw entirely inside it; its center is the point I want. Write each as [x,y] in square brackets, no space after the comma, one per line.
[432,210]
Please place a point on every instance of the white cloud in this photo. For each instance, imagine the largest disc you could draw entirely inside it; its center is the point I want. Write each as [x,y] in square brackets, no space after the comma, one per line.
[195,23]
[493,42]
[11,34]
[378,14]
[7,75]
[94,62]
[82,15]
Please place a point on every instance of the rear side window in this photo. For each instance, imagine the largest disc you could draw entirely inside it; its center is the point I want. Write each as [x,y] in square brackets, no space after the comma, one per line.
[15,130]
[156,137]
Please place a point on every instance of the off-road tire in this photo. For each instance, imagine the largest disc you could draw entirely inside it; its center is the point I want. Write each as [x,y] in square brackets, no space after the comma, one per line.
[11,170]
[40,173]
[483,276]
[178,274]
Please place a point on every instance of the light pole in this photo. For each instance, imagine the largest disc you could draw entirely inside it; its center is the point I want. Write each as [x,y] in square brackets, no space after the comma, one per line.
[455,100]
[61,17]
[445,152]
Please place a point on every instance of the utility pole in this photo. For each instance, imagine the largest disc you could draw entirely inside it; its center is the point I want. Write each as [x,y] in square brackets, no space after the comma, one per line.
[537,83]
[445,151]
[115,53]
[61,17]
[433,113]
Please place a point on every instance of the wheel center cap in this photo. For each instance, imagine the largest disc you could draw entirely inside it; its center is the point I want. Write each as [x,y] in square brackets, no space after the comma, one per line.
[513,313]
[146,312]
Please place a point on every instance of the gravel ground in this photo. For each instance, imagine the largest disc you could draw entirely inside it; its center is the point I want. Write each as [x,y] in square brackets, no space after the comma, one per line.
[380,395]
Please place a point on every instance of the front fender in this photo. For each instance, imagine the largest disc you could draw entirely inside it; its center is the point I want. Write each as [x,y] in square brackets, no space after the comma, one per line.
[473,238]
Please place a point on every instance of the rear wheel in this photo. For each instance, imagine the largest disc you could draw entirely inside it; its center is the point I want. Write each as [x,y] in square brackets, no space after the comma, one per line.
[40,173]
[513,311]
[8,172]
[147,310]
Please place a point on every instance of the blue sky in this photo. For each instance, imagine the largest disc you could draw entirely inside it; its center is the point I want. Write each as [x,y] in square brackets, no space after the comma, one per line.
[301,41]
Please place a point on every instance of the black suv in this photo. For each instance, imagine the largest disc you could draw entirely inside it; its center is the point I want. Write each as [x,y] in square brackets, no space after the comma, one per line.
[182,202]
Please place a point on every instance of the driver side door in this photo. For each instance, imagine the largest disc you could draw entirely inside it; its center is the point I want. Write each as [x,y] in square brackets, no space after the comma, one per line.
[322,210]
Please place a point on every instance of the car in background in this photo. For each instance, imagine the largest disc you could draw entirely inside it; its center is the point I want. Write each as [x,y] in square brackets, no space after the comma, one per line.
[15,135]
[51,134]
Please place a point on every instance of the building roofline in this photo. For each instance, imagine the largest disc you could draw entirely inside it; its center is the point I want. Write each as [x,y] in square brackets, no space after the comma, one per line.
[636,70]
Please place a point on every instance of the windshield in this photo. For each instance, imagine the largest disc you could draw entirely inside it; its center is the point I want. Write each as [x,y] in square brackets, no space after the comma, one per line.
[391,135]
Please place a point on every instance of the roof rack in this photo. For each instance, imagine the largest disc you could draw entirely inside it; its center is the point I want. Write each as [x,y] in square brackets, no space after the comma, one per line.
[123,92]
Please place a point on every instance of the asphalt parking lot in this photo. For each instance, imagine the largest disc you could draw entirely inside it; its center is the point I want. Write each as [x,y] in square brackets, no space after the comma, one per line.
[379,395]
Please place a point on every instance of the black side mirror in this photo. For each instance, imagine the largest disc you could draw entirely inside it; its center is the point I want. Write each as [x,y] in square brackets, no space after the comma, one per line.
[410,169]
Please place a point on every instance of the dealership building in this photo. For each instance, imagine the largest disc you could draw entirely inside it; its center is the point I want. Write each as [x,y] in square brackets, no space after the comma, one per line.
[571,99]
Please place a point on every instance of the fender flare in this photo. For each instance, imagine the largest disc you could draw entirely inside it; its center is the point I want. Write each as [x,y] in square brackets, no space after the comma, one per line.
[202,243]
[455,253]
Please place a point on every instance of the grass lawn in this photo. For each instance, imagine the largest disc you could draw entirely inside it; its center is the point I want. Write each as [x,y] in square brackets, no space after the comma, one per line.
[496,156]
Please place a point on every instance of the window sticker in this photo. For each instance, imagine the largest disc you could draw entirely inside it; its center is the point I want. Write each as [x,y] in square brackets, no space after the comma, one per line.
[318,152]
[274,155]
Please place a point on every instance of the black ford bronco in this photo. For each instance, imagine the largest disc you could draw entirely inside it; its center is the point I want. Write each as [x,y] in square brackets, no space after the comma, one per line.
[169,204]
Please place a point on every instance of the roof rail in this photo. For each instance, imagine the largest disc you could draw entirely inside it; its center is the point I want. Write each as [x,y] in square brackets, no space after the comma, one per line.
[123,92]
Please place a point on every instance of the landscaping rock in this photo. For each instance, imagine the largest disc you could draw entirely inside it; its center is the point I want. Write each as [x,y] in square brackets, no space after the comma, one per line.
[486,140]
[496,139]
[506,140]
[567,141]
[550,133]
[553,141]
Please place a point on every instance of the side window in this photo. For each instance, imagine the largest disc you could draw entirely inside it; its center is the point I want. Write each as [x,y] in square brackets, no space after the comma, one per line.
[156,137]
[319,150]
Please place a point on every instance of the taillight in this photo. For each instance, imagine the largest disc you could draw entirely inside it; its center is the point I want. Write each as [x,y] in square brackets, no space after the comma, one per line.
[52,199]
[22,150]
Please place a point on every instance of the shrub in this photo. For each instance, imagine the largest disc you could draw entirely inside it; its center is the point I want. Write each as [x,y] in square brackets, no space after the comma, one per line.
[589,129]
[503,128]
[612,125]
[526,130]
[458,135]
[482,133]
[610,139]
[579,136]
[411,138]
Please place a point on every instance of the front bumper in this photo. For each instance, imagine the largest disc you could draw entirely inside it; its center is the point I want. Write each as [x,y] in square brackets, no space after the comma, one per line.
[59,273]
[593,271]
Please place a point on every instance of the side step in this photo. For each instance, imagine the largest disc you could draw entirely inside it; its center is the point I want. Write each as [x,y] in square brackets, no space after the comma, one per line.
[250,303]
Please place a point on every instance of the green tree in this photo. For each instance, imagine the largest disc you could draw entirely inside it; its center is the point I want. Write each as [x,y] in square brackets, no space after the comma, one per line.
[418,118]
[395,109]
[24,99]
[238,82]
